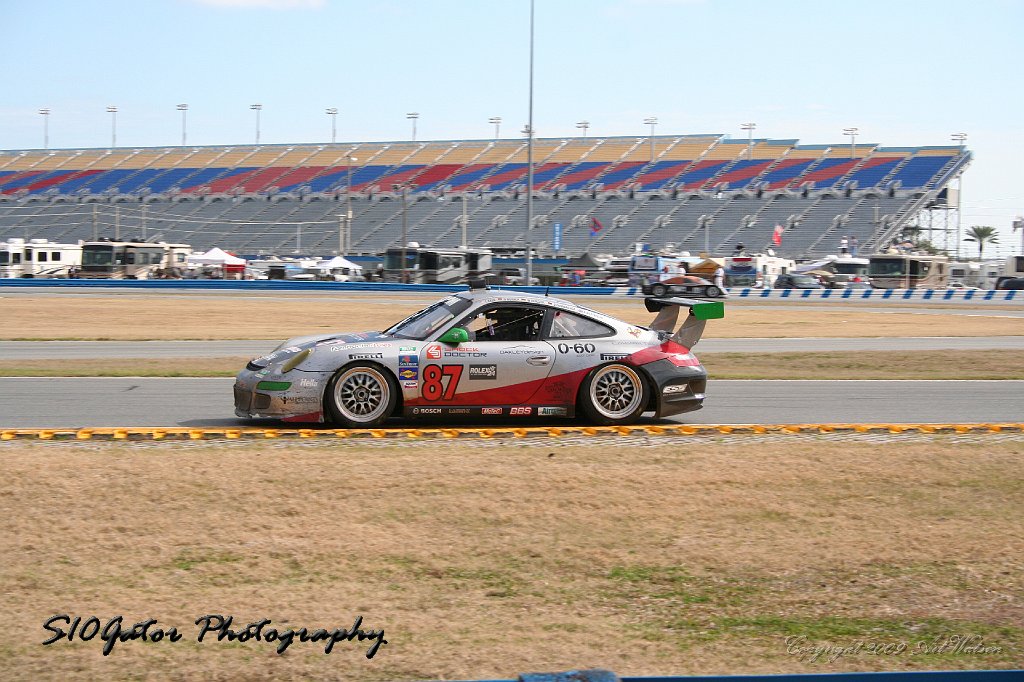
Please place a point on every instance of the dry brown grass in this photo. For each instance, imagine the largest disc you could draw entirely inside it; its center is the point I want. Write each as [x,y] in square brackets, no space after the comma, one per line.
[487,562]
[990,364]
[167,315]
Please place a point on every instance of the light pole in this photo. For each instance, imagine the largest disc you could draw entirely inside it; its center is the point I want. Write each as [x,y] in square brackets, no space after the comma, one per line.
[412,116]
[496,122]
[333,113]
[584,125]
[852,132]
[257,108]
[961,138]
[348,205]
[112,110]
[749,127]
[529,165]
[651,121]
[183,108]
[404,187]
[45,112]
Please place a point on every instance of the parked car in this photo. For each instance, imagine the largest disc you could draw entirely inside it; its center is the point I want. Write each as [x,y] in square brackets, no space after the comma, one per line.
[1005,283]
[790,280]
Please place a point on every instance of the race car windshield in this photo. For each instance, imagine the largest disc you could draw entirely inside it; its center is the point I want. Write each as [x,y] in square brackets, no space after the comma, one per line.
[424,323]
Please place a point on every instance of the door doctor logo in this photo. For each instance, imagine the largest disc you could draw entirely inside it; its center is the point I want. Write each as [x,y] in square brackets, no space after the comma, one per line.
[477,372]
[434,352]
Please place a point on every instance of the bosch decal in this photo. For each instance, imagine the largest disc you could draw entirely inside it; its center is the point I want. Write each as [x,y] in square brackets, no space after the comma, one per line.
[426,410]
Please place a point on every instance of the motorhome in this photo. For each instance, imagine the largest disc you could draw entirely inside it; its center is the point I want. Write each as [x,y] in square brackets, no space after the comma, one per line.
[756,269]
[425,265]
[132,260]
[908,271]
[38,258]
[836,271]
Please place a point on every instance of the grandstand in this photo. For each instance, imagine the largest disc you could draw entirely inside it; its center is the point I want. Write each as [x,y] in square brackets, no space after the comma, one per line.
[683,190]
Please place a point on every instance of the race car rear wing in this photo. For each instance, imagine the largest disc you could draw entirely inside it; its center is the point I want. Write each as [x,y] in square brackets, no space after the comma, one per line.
[692,328]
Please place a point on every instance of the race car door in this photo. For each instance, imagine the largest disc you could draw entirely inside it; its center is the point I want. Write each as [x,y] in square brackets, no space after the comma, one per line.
[503,363]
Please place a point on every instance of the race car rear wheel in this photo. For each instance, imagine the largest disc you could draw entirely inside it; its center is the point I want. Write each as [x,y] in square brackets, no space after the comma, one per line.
[361,396]
[713,292]
[613,394]
[659,290]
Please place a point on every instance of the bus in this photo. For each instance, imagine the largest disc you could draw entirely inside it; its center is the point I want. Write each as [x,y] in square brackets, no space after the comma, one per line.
[425,265]
[38,258]
[132,260]
[836,271]
[906,271]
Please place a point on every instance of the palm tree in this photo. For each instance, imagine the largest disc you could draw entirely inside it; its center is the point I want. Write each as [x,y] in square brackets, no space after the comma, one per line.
[983,234]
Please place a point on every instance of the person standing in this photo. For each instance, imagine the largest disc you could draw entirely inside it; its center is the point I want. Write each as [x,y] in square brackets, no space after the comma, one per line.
[720,277]
[844,245]
[854,244]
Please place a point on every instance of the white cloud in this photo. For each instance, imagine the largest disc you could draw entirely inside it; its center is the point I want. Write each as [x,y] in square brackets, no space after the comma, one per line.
[265,4]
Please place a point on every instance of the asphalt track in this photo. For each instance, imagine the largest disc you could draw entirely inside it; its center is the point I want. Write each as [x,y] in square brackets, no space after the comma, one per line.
[60,403]
[72,350]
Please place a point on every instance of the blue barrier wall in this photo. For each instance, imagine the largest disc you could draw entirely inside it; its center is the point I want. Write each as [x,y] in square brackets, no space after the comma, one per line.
[816,295]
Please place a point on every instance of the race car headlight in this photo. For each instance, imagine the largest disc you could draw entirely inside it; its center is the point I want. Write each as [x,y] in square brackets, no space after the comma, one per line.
[295,360]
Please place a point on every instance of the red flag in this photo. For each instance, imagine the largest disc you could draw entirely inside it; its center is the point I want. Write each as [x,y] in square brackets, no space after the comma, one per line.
[595,226]
[777,235]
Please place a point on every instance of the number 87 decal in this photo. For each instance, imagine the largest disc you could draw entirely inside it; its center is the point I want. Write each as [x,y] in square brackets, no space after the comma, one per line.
[434,387]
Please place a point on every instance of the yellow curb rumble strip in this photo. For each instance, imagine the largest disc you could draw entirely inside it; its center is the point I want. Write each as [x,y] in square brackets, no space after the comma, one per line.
[491,432]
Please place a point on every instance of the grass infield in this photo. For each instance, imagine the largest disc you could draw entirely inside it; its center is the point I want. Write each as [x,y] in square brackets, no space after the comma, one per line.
[489,561]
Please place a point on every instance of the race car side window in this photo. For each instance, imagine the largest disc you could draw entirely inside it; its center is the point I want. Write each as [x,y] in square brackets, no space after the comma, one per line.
[505,323]
[565,325]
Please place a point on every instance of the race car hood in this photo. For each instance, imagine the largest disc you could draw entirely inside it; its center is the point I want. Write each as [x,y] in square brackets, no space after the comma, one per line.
[304,342]
[299,344]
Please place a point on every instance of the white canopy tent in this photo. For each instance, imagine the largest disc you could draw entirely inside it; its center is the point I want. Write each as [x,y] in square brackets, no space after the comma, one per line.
[339,262]
[215,256]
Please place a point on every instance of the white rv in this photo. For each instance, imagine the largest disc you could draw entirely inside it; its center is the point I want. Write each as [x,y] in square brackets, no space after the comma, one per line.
[38,258]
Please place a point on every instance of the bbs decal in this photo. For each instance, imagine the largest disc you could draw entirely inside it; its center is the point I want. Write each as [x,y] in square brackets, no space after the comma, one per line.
[577,348]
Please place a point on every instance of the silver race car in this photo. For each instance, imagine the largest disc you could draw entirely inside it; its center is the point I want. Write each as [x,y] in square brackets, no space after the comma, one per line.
[487,354]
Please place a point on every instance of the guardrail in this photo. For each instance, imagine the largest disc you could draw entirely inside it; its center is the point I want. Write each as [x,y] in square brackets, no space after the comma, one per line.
[972,296]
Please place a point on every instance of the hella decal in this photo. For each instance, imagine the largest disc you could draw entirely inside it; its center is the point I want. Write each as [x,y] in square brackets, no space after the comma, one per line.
[308,383]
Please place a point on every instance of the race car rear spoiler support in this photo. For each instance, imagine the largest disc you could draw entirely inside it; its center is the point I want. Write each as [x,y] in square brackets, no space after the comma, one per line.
[690,332]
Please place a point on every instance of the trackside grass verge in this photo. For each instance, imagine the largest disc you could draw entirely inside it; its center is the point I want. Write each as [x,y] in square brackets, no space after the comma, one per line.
[991,364]
[480,563]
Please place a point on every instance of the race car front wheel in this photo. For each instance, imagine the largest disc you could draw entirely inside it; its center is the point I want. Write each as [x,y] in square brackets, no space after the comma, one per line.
[361,396]
[713,292]
[659,290]
[613,394]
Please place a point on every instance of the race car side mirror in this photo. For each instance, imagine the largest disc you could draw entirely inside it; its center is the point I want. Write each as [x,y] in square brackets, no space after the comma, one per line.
[455,336]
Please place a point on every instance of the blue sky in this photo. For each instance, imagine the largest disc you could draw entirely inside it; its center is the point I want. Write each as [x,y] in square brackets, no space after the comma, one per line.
[906,73]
